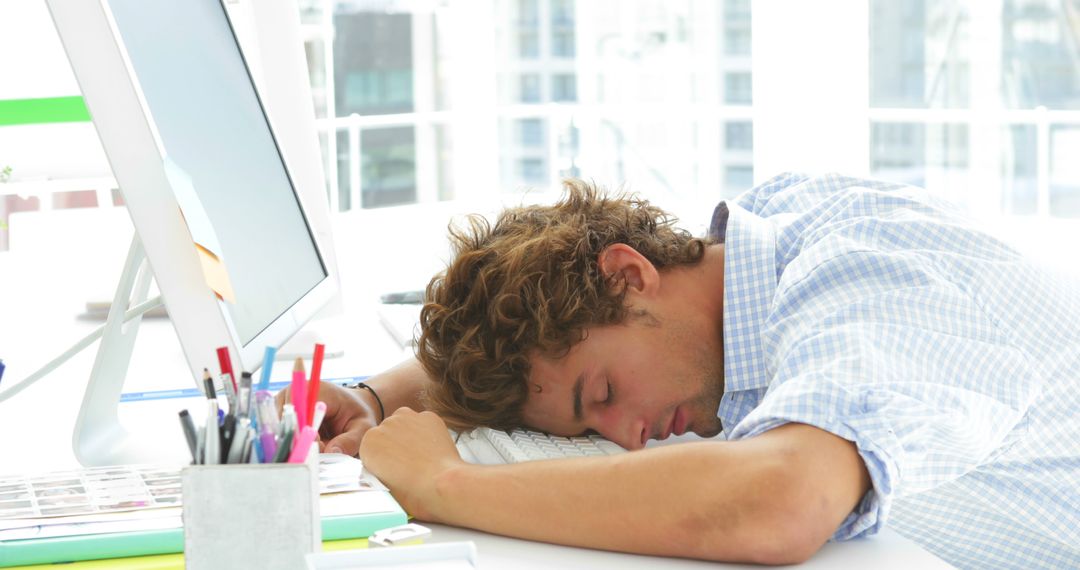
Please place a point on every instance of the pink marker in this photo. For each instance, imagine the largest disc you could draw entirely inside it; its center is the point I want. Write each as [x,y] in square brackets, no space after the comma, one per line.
[298,393]
[302,445]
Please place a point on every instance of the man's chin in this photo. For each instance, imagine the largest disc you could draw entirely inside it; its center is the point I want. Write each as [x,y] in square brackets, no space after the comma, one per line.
[713,429]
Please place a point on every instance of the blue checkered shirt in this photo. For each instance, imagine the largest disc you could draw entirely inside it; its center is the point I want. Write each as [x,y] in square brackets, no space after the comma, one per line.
[880,314]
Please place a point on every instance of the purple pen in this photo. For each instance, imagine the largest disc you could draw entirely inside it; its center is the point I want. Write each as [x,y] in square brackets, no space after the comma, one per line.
[269,445]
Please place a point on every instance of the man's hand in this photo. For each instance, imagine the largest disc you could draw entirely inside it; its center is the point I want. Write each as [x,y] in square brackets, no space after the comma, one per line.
[349,415]
[408,452]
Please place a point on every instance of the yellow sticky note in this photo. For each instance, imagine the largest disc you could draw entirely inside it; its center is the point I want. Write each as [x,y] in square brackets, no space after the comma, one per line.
[214,273]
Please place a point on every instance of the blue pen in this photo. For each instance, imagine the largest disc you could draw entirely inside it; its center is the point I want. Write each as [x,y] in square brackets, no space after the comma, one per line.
[1,369]
[268,363]
[258,449]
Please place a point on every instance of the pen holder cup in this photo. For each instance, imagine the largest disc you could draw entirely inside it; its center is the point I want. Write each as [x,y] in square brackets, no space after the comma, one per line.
[262,516]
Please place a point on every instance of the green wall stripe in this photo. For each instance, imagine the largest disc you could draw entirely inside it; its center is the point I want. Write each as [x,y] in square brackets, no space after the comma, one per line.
[48,110]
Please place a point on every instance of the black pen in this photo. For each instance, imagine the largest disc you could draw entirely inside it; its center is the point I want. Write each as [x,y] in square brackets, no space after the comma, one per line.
[189,433]
[228,432]
[284,448]
[243,397]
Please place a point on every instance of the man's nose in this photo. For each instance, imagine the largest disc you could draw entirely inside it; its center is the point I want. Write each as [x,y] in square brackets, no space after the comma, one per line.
[623,430]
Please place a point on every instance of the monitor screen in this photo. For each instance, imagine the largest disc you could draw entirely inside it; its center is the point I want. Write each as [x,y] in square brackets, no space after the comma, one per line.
[221,158]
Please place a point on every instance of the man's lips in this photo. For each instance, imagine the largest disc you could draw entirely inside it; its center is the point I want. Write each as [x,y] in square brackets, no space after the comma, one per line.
[675,426]
[679,422]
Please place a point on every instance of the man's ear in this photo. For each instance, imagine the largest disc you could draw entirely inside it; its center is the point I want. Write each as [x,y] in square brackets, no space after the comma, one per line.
[628,268]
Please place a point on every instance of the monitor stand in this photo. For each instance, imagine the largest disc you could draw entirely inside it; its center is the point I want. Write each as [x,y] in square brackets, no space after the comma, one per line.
[99,438]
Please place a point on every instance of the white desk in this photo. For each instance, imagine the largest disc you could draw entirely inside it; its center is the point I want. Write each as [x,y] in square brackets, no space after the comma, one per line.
[40,297]
[886,551]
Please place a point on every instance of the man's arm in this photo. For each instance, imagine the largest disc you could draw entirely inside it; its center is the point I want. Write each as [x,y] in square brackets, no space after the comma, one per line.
[351,413]
[771,499]
[400,386]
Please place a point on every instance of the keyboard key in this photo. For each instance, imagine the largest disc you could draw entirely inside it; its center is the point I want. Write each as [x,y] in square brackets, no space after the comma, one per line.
[609,448]
[496,446]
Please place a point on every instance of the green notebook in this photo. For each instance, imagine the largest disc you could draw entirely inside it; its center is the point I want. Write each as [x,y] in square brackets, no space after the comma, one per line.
[168,541]
[143,492]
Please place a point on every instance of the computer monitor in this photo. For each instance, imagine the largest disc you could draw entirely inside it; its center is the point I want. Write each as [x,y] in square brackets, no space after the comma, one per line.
[237,235]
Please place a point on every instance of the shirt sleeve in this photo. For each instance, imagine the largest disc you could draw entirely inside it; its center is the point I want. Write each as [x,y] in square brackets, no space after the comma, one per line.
[793,192]
[908,367]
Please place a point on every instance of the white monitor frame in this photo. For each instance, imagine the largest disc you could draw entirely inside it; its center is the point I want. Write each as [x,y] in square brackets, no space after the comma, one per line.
[124,124]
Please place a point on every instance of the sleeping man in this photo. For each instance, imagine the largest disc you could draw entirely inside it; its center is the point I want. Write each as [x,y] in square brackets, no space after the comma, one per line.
[867,355]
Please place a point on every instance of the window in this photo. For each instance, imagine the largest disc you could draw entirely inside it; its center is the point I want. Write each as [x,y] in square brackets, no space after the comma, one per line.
[737,10]
[389,167]
[528,44]
[660,58]
[373,62]
[1064,183]
[739,135]
[737,88]
[737,41]
[529,85]
[564,88]
[737,179]
[562,44]
[562,13]
[737,27]
[532,170]
[528,13]
[992,97]
[531,132]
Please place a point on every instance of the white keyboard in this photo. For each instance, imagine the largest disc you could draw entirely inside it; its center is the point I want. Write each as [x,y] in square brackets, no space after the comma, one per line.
[492,447]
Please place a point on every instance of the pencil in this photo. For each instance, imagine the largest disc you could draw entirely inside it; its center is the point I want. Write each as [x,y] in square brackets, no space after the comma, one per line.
[208,384]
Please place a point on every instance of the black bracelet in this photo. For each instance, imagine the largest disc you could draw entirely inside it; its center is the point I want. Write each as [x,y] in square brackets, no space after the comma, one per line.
[382,410]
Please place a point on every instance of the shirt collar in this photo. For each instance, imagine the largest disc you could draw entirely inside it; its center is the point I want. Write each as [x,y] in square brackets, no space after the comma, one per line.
[749,287]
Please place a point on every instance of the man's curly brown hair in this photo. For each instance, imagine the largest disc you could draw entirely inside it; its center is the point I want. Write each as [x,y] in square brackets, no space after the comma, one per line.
[531,283]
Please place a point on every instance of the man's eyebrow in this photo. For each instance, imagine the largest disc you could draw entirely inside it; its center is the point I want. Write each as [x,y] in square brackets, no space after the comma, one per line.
[578,387]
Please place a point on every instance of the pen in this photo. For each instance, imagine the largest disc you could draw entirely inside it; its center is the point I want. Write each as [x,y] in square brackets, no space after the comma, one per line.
[256,445]
[1,368]
[251,443]
[288,420]
[303,445]
[268,363]
[269,446]
[313,382]
[230,391]
[241,438]
[283,449]
[189,434]
[265,410]
[229,432]
[243,398]
[200,445]
[225,364]
[320,413]
[212,452]
[299,393]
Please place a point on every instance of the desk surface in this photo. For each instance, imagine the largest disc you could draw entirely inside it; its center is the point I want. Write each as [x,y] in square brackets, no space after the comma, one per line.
[886,551]
[37,309]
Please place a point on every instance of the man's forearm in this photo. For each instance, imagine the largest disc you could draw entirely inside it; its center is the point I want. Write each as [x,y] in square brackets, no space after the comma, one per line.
[400,386]
[714,500]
